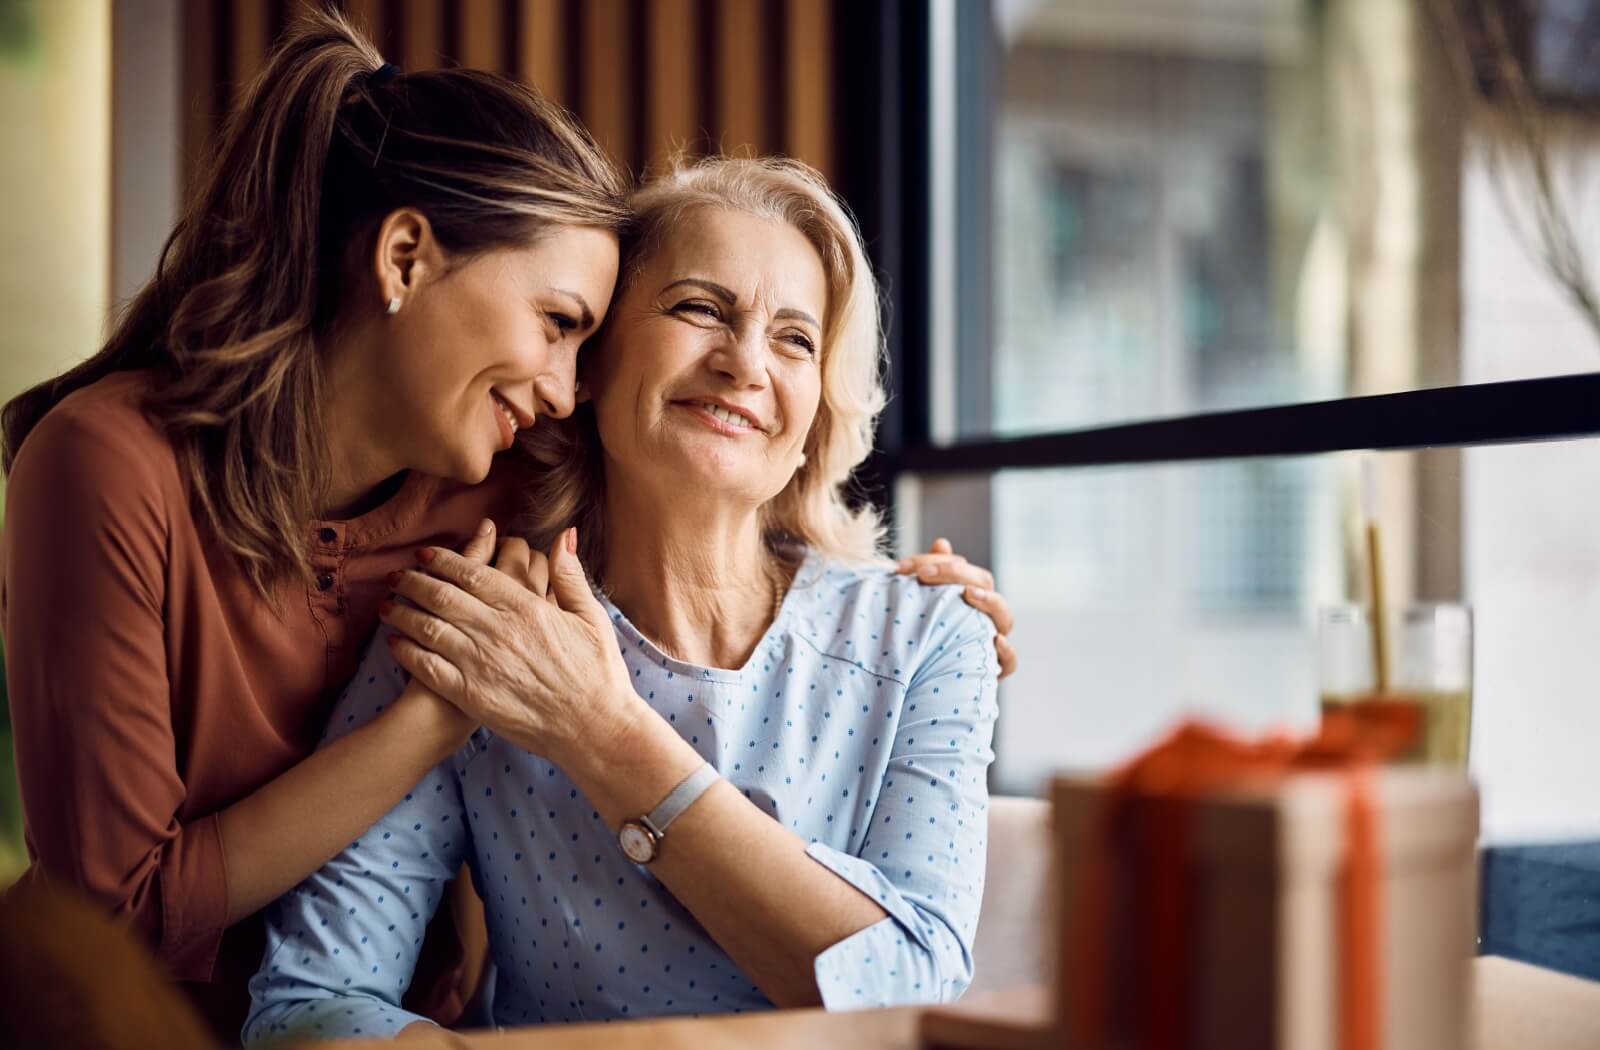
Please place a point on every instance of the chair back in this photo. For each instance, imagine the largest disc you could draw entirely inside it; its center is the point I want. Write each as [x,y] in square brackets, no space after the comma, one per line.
[1016,927]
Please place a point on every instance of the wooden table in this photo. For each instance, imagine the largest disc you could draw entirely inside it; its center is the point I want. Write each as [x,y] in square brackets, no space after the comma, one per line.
[1515,1006]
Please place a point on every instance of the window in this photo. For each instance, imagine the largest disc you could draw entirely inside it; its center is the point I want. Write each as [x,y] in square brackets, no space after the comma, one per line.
[1162,275]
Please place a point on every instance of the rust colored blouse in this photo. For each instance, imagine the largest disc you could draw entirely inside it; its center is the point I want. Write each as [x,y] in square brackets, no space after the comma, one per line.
[151,687]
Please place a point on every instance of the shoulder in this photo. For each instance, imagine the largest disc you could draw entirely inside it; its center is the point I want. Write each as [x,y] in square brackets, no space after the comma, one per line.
[884,622]
[98,447]
[97,480]
[100,431]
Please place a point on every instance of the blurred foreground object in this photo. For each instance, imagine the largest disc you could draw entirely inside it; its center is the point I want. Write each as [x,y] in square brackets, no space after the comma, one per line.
[1221,894]
[72,978]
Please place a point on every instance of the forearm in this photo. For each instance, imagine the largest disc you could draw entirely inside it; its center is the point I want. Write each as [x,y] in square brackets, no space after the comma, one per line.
[742,875]
[290,826]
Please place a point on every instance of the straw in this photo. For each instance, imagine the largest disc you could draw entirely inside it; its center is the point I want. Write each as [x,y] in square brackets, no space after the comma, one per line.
[1380,646]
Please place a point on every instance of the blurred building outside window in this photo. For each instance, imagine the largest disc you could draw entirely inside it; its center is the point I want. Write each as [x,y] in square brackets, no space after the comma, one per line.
[1225,204]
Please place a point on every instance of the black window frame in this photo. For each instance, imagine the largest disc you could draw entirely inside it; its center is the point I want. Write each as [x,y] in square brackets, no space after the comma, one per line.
[883,142]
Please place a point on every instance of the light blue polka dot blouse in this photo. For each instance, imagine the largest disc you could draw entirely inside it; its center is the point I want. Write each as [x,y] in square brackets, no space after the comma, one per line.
[862,722]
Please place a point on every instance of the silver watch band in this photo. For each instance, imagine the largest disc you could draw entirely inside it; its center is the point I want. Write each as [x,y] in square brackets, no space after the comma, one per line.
[680,798]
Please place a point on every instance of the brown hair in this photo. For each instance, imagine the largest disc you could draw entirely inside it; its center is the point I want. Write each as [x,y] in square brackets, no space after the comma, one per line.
[815,509]
[251,279]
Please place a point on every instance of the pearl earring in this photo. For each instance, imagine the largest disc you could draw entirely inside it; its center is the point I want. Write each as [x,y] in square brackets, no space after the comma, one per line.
[802,459]
[394,306]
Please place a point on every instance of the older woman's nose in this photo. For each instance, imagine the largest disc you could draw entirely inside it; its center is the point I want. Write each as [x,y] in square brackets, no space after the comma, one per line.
[742,356]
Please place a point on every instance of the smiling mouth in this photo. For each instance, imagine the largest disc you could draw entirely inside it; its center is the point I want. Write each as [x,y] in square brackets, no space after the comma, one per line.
[729,417]
[507,414]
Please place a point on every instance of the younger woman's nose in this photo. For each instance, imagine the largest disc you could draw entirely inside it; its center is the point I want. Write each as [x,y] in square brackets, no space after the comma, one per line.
[555,391]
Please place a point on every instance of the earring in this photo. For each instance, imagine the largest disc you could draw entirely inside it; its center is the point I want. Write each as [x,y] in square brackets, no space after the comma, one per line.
[394,306]
[802,459]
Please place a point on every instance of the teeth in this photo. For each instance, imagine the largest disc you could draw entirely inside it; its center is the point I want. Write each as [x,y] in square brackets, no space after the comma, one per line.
[506,411]
[735,418]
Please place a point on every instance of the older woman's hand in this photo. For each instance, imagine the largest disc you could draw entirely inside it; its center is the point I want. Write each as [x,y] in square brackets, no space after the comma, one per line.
[521,646]
[942,565]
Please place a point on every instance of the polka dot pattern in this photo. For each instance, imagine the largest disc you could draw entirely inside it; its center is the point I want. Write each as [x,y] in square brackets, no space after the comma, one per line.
[862,722]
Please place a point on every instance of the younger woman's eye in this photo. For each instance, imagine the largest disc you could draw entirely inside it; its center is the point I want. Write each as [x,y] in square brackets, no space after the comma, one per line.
[566,324]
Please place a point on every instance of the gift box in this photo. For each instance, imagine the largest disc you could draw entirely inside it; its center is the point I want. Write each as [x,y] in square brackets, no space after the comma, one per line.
[1223,895]
[1260,947]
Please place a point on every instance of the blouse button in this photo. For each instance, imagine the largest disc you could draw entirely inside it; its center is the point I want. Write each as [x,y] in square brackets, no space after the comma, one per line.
[327,535]
[324,582]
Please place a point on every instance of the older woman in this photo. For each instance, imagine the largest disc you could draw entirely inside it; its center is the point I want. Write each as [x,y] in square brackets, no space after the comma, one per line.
[750,771]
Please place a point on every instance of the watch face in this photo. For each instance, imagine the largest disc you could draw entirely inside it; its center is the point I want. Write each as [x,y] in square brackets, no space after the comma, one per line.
[637,843]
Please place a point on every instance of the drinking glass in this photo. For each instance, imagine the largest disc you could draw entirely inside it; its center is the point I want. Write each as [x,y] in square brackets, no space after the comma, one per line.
[1430,668]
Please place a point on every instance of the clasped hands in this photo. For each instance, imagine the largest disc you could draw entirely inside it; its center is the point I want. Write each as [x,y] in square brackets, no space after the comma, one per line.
[522,646]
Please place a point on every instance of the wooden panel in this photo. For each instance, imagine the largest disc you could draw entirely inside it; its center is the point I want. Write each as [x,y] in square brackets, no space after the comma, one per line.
[741,87]
[541,47]
[251,33]
[293,9]
[604,106]
[199,88]
[368,17]
[482,31]
[808,91]
[422,35]
[673,94]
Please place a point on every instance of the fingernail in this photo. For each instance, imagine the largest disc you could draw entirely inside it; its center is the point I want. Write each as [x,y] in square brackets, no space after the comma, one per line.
[394,578]
[904,565]
[928,572]
[424,554]
[392,640]
[572,540]
[977,594]
[486,528]
[385,608]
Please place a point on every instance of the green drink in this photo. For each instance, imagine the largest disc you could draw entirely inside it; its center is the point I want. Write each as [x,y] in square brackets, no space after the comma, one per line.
[1432,674]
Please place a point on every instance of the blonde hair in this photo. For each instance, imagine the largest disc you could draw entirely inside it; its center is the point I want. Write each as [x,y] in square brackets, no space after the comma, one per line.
[252,280]
[814,509]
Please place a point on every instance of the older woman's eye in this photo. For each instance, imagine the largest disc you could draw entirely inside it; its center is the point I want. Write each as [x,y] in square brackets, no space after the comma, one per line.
[565,324]
[802,341]
[699,307]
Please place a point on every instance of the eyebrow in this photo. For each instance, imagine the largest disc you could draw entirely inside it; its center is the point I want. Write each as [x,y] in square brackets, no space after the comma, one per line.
[788,313]
[586,315]
[727,296]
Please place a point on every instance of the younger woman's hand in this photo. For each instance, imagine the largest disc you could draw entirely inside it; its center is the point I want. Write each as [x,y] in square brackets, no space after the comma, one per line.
[523,646]
[454,725]
[942,565]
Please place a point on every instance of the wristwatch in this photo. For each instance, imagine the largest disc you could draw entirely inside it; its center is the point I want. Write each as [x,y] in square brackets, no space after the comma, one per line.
[641,838]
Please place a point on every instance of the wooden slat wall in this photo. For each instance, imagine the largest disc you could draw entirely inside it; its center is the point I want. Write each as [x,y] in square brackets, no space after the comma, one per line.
[541,46]
[673,121]
[200,84]
[648,77]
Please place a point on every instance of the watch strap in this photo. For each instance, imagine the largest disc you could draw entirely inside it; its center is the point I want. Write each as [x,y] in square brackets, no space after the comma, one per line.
[681,798]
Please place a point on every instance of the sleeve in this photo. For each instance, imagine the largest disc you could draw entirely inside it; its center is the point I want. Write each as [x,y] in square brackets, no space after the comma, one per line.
[342,945]
[922,859]
[85,559]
